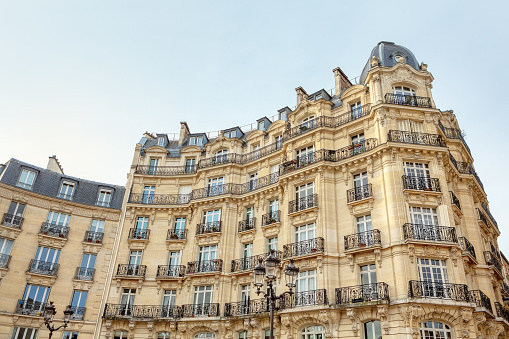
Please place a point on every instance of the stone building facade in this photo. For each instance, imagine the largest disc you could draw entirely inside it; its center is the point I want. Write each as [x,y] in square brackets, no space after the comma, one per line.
[57,235]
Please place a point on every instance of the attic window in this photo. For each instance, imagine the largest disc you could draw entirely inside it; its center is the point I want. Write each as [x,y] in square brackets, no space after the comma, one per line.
[160,141]
[261,125]
[399,58]
[282,116]
[319,96]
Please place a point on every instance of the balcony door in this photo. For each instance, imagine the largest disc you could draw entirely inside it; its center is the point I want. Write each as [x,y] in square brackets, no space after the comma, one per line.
[308,122]
[202,299]
[306,155]
[373,330]
[174,259]
[253,181]
[87,265]
[369,282]
[190,165]
[271,245]
[215,186]
[152,169]
[127,301]
[356,109]
[79,299]
[141,227]
[416,169]
[58,219]
[35,297]
[169,302]
[148,194]
[433,274]
[411,126]
[97,226]
[360,180]
[5,248]
[134,262]
[424,216]
[358,143]
[247,253]
[211,219]
[304,191]
[306,287]
[205,254]
[364,224]
[221,157]
[245,297]
[305,232]
[46,260]
[16,209]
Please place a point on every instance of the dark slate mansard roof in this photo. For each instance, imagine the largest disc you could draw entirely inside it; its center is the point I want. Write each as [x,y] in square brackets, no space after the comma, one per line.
[48,183]
[387,52]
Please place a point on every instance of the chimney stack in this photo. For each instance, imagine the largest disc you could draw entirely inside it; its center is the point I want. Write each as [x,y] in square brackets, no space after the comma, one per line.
[54,165]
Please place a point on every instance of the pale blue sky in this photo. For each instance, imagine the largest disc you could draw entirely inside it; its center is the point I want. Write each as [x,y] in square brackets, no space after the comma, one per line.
[84,79]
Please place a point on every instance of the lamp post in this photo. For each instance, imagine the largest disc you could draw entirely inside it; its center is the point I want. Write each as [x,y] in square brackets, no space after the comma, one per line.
[49,312]
[269,272]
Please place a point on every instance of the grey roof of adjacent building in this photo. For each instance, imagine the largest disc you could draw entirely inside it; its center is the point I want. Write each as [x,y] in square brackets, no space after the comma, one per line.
[48,183]
[386,52]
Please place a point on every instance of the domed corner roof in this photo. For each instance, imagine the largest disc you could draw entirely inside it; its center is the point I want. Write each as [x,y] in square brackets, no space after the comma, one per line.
[387,52]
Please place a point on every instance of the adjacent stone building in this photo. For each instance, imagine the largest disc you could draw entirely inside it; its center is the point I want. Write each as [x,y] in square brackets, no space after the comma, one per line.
[369,187]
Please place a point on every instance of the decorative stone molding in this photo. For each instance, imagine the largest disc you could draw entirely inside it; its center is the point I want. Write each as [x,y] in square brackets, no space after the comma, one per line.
[40,279]
[247,236]
[208,239]
[91,248]
[9,232]
[351,314]
[82,285]
[49,241]
[361,207]
[271,230]
[383,311]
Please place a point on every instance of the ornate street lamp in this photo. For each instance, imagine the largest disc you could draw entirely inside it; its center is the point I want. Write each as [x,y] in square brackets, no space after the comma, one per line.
[269,272]
[49,312]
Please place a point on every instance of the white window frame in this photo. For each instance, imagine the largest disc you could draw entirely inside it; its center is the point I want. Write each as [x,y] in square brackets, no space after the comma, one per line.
[160,141]
[313,332]
[104,197]
[306,281]
[272,244]
[368,274]
[416,169]
[438,330]
[423,216]
[24,333]
[372,329]
[26,179]
[305,232]
[67,189]
[97,226]
[305,190]
[360,179]
[120,334]
[70,335]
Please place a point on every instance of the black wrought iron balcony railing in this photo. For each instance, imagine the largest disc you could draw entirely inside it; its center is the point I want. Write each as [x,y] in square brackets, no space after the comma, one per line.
[247,307]
[230,158]
[455,201]
[139,234]
[212,191]
[12,220]
[176,235]
[481,217]
[271,218]
[54,230]
[353,149]
[43,267]
[156,311]
[502,312]
[159,199]
[485,208]
[462,167]
[505,288]
[362,293]
[4,260]
[261,182]
[315,245]
[421,183]
[93,237]
[305,298]
[303,203]
[492,260]
[84,273]
[171,271]
[131,270]
[437,290]
[416,138]
[303,161]
[408,100]
[247,225]
[248,263]
[259,153]
[30,307]
[476,176]
[430,233]
[79,313]
[354,114]
[117,310]
[204,266]
[200,310]
[362,240]
[480,299]
[467,246]
[164,170]
[359,193]
[453,133]
[305,127]
[209,227]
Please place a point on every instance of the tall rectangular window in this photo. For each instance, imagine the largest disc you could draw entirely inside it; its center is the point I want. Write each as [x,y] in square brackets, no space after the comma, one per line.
[79,299]
[127,301]
[26,180]
[58,219]
[364,223]
[360,180]
[160,141]
[368,274]
[141,226]
[66,190]
[272,244]
[306,281]
[211,218]
[356,109]
[5,246]
[306,155]
[24,333]
[180,224]
[88,260]
[423,216]
[174,258]
[273,206]
[304,190]
[148,194]
[169,297]
[97,226]
[154,163]
[190,164]
[34,299]
[215,186]
[305,232]
[14,216]
[135,258]
[104,198]
[207,253]
[203,298]
[253,181]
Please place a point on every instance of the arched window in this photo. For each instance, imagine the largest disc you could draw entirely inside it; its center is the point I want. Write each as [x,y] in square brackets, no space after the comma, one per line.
[163,335]
[435,330]
[204,335]
[372,329]
[121,334]
[313,332]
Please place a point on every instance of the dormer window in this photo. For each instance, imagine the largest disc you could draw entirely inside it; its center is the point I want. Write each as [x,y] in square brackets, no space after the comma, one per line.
[26,180]
[282,116]
[261,125]
[199,141]
[104,198]
[66,190]
[192,141]
[160,141]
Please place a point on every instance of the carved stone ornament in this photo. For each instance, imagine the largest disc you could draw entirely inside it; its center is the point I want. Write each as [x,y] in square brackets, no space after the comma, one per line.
[350,313]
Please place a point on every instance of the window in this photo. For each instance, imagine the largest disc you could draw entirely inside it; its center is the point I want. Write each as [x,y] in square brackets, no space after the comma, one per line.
[253,181]
[24,333]
[70,335]
[313,332]
[148,194]
[410,126]
[245,294]
[204,335]
[26,180]
[308,123]
[211,220]
[242,335]
[221,157]
[364,223]
[127,301]
[86,269]
[199,141]
[402,90]
[120,334]
[356,110]
[306,281]
[358,138]
[261,125]
[135,258]
[433,274]
[279,141]
[304,191]
[163,335]
[66,190]
[247,251]
[368,274]
[174,258]
[34,299]
[415,169]
[140,231]
[58,219]
[282,116]
[249,213]
[271,244]
[97,226]
[180,224]
[192,141]
[306,155]
[104,198]
[207,253]
[190,164]
[358,144]
[45,261]
[435,330]
[266,334]
[215,186]
[203,297]
[372,329]
[160,141]
[305,232]
[273,206]
[79,299]
[184,194]
[360,180]
[14,216]
[152,168]
[5,251]
[169,298]
[423,216]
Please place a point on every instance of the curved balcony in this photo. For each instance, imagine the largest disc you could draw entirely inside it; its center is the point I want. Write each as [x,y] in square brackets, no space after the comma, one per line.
[492,260]
[321,121]
[208,227]
[4,260]
[159,199]
[502,312]
[303,203]
[94,237]
[408,100]
[261,182]
[248,307]
[156,311]
[359,193]
[171,271]
[455,201]
[117,310]
[12,220]
[247,225]
[164,170]
[84,273]
[204,266]
[467,246]
[363,240]
[54,230]
[43,267]
[362,293]
[485,208]
[421,183]
[416,138]
[437,290]
[305,298]
[259,153]
[131,270]
[176,235]
[200,310]
[230,158]
[271,218]
[30,307]
[355,114]
[138,234]
[480,299]
[429,233]
[311,246]
[453,133]
[462,167]
[212,191]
